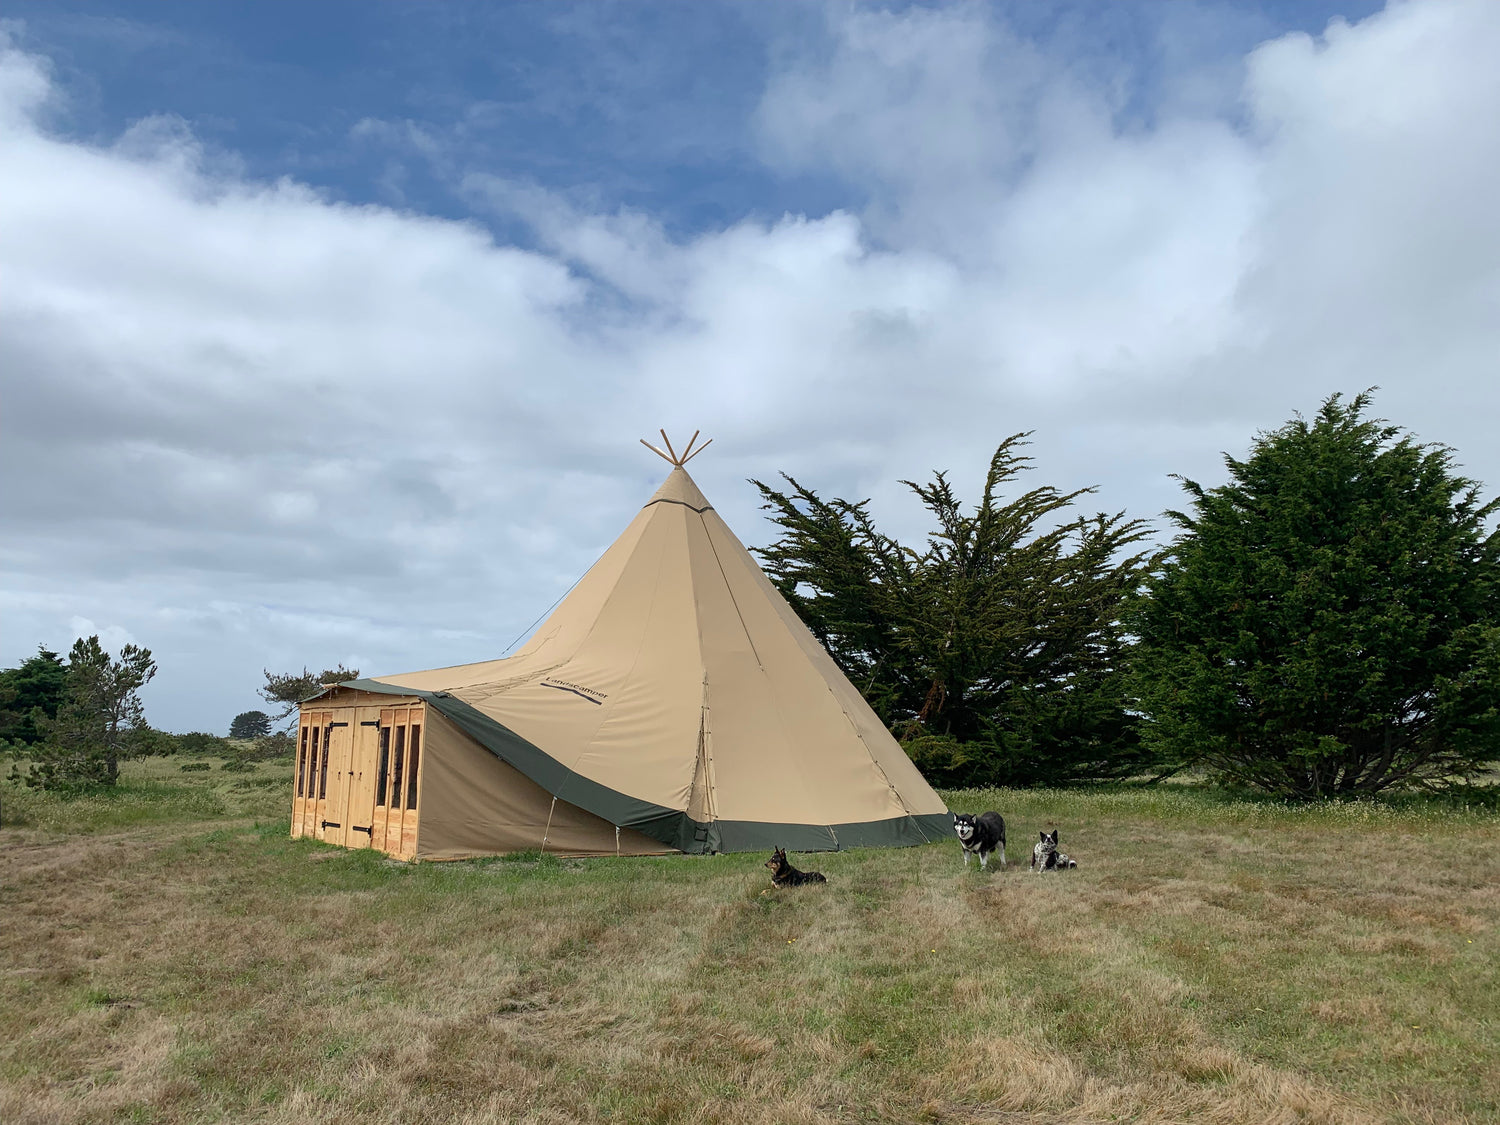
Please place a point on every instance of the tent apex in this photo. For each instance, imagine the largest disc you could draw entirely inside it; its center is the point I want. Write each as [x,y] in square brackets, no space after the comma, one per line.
[679,488]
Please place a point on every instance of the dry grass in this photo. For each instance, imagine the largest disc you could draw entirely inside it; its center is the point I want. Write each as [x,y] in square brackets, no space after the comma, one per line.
[1210,961]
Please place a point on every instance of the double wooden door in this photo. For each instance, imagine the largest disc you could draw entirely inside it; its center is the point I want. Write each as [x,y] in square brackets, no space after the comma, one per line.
[358,777]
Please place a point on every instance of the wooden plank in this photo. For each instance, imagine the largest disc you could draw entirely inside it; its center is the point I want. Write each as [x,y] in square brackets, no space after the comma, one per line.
[299,756]
[299,783]
[315,782]
[380,817]
[411,818]
[318,771]
[392,840]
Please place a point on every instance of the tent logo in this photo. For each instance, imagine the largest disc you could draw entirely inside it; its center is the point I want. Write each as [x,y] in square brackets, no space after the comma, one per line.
[597,697]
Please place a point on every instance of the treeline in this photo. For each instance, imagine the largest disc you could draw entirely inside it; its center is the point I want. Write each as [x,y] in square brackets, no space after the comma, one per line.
[1326,623]
[69,724]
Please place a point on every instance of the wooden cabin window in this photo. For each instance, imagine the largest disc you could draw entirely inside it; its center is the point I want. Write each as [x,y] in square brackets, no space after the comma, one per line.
[396,767]
[411,765]
[302,764]
[382,773]
[323,773]
[312,765]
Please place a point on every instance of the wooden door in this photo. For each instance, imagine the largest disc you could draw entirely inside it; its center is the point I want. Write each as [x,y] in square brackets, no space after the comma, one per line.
[359,805]
[338,745]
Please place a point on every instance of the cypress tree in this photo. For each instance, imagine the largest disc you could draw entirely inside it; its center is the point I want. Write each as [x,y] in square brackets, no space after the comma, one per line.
[1328,622]
[995,651]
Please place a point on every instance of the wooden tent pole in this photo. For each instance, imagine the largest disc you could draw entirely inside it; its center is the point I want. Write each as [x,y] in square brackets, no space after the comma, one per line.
[658,452]
[675,460]
[672,457]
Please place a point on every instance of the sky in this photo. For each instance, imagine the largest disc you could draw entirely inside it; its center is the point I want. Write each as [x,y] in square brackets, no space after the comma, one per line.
[328,332]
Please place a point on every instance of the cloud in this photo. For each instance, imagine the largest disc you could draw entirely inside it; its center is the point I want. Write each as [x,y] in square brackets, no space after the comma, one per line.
[112,637]
[258,427]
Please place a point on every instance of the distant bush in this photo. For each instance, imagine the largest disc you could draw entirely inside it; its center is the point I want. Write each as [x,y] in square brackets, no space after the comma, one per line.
[271,746]
[197,742]
[189,767]
[238,765]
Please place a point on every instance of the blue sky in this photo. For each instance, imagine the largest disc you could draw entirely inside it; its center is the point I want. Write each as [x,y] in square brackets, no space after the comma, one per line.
[329,330]
[645,106]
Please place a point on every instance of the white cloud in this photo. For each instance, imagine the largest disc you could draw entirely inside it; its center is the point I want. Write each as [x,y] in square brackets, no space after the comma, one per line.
[112,638]
[258,428]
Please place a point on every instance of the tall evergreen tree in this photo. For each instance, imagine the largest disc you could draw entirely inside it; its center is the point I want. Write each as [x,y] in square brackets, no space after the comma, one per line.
[100,721]
[250,724]
[995,651]
[1328,622]
[30,693]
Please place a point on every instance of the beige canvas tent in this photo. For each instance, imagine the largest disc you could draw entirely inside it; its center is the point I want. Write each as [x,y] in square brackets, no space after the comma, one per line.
[673,702]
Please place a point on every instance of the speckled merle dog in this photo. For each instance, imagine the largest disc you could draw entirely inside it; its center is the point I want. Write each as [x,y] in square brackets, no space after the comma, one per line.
[1046,857]
[982,834]
[783,874]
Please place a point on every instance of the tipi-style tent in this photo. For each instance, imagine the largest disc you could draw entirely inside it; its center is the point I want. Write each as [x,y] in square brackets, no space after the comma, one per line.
[674,702]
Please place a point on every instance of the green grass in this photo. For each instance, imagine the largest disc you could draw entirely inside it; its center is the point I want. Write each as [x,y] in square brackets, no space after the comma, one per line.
[155,791]
[170,955]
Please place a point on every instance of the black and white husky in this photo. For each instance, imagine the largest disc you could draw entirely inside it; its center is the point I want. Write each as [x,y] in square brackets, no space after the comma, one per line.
[983,834]
[1046,857]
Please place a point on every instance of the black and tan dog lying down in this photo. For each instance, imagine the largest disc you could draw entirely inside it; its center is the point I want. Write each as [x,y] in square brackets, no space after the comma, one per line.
[783,874]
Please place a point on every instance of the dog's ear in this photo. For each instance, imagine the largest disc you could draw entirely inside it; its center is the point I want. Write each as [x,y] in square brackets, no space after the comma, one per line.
[1044,835]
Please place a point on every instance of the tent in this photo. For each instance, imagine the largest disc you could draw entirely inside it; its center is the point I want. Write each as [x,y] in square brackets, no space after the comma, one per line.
[673,702]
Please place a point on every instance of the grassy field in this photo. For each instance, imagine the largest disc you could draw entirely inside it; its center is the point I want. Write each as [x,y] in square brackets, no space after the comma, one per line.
[167,954]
